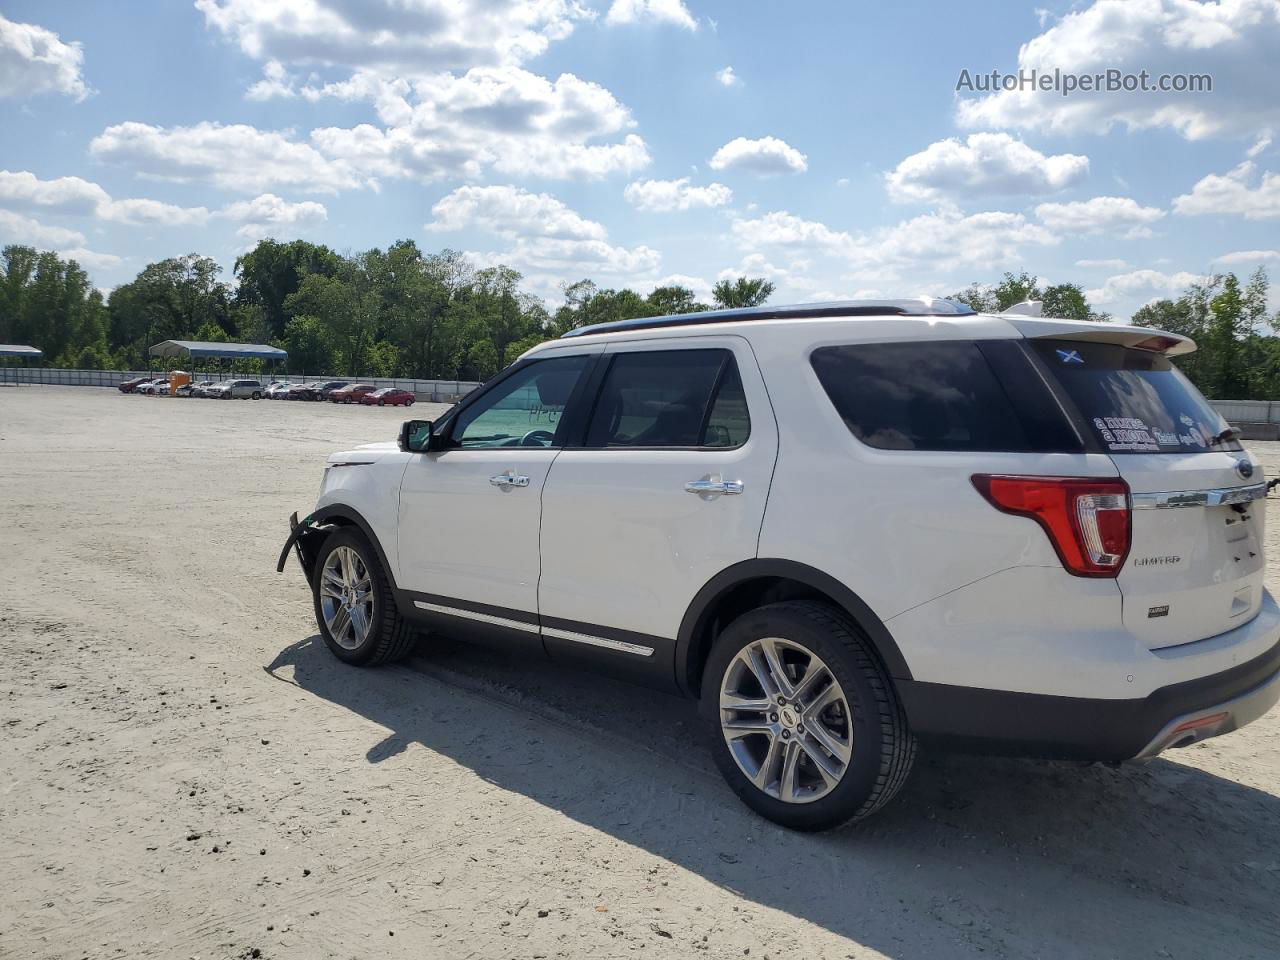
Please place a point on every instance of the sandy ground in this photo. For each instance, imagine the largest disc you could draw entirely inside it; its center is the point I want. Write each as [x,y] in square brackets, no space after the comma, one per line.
[186,772]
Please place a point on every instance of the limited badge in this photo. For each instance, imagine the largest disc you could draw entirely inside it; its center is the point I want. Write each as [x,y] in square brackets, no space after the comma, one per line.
[1162,611]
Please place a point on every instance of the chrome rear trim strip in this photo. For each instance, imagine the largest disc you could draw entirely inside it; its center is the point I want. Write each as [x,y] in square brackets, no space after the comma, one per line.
[1221,497]
[479,617]
[619,645]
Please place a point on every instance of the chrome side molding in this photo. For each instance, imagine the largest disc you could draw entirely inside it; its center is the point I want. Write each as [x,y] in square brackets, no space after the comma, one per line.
[621,646]
[1221,497]
[479,617]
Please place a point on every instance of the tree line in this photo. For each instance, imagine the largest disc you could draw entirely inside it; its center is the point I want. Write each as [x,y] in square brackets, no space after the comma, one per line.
[400,312]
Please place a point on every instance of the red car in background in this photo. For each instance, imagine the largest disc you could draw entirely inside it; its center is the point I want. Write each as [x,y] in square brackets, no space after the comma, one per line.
[350,393]
[389,397]
[131,385]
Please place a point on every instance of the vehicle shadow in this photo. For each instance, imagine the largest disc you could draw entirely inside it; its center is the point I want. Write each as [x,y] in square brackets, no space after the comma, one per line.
[977,856]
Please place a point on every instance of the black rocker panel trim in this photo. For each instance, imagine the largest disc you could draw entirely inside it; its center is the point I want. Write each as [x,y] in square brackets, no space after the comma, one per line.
[703,606]
[640,658]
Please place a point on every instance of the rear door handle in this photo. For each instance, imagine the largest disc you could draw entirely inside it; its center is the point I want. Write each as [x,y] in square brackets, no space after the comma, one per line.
[714,487]
[509,479]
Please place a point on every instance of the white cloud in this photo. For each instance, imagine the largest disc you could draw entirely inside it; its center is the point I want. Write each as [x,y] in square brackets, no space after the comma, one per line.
[34,60]
[510,212]
[1114,264]
[939,241]
[15,228]
[766,156]
[1146,284]
[544,235]
[728,78]
[668,195]
[1100,215]
[1248,257]
[659,11]
[268,215]
[1231,193]
[235,157]
[405,37]
[92,259]
[506,118]
[699,286]
[1233,41]
[987,164]
[1258,147]
[23,190]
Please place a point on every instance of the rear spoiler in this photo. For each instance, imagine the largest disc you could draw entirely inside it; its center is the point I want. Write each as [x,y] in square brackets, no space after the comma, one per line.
[1140,338]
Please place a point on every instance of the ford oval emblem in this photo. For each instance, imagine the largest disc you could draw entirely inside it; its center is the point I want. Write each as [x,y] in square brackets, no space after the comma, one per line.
[1244,468]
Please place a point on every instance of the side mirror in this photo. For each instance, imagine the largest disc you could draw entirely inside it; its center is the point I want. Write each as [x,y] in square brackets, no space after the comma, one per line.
[415,436]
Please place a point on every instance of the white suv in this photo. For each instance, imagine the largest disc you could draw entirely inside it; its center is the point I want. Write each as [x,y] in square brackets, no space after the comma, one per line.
[843,527]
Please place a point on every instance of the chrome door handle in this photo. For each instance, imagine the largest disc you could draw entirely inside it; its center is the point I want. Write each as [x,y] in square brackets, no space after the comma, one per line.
[509,480]
[712,487]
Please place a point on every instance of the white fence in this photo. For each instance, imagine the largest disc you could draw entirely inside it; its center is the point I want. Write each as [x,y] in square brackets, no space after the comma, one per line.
[1248,411]
[440,391]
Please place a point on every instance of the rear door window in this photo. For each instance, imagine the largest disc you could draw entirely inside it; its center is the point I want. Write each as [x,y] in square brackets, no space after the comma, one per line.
[1134,401]
[670,398]
[942,396]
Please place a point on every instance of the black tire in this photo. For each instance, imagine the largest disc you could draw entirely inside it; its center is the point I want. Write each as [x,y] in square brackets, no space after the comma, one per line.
[382,403]
[883,745]
[409,402]
[391,638]
[257,395]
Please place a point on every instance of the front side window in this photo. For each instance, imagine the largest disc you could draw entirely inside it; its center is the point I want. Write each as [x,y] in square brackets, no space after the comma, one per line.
[523,410]
[670,398]
[921,395]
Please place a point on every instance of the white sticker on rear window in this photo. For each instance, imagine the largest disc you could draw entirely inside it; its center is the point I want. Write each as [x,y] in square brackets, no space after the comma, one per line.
[1126,433]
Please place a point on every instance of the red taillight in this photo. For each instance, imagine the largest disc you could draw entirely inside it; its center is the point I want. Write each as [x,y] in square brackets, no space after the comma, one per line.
[1087,520]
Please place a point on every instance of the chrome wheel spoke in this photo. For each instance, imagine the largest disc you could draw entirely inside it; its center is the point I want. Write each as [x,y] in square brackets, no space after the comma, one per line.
[765,775]
[773,660]
[734,701]
[347,598]
[785,720]
[339,624]
[788,783]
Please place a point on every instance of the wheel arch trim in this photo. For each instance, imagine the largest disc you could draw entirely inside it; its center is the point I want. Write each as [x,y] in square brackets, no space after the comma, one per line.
[342,514]
[707,599]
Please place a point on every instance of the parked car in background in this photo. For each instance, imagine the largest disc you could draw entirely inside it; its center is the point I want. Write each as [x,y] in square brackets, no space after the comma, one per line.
[278,390]
[237,390]
[351,393]
[389,397]
[202,388]
[152,388]
[186,390]
[131,385]
[315,391]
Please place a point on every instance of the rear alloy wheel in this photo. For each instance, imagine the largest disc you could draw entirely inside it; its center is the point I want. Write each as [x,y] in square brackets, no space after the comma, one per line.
[355,607]
[257,395]
[805,724]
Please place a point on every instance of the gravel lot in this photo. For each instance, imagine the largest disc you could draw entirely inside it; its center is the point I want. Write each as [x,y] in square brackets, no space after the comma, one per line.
[187,772]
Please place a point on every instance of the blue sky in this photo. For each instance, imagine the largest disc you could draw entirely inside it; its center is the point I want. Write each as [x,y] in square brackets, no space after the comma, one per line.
[821,144]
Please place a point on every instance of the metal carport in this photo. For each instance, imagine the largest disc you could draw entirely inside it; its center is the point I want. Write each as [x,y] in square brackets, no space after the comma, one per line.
[211,350]
[20,352]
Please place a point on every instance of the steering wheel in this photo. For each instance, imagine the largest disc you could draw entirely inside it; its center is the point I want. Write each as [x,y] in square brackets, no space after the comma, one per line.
[537,438]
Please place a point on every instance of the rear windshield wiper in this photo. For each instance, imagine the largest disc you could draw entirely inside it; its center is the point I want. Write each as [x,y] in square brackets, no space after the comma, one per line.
[1226,436]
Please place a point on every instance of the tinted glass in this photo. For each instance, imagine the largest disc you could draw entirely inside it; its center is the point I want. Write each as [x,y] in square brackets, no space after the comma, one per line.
[523,410]
[920,396]
[670,398]
[1135,401]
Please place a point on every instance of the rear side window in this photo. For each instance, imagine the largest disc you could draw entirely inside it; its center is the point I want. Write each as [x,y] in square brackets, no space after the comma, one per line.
[941,396]
[670,398]
[1134,401]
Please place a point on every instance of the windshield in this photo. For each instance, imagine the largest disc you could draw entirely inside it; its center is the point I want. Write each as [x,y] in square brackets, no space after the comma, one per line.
[1135,401]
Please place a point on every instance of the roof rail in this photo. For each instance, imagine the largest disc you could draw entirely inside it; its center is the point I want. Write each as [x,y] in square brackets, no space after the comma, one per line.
[918,307]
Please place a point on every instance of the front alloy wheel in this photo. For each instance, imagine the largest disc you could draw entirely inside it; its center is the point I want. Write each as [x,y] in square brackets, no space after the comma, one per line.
[785,720]
[355,606]
[346,598]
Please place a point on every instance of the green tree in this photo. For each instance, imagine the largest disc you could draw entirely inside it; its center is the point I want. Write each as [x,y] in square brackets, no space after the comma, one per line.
[272,272]
[742,292]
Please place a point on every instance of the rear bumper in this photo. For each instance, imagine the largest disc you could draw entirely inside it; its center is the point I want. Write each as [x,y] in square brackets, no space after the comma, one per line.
[1076,728]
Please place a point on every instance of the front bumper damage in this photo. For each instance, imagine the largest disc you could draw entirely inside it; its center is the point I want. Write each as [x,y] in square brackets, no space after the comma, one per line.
[305,538]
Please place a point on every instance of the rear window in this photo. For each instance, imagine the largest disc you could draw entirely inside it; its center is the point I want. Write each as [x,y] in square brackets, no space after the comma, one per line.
[1134,401]
[942,396]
